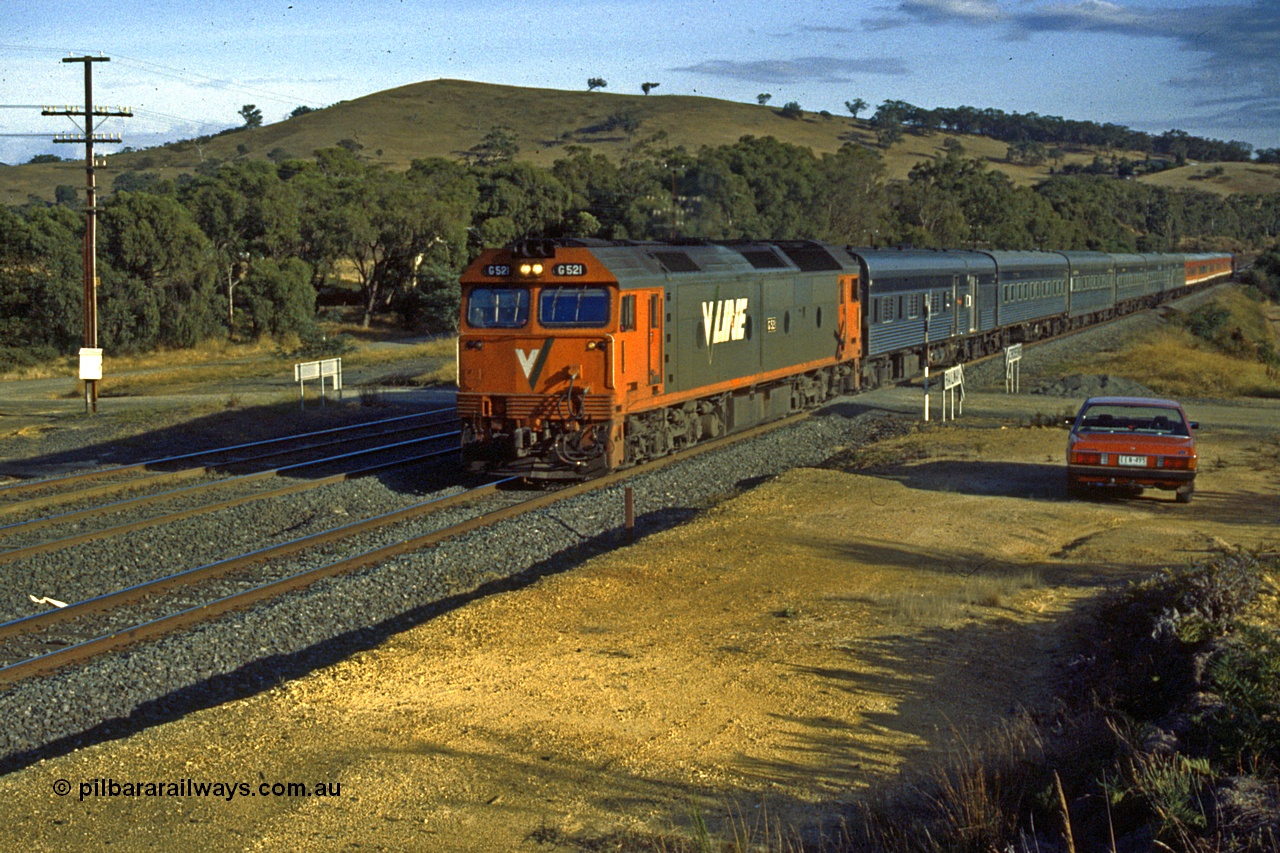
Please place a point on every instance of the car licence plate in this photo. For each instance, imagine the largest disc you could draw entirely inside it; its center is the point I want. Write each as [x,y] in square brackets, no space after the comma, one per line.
[1133,461]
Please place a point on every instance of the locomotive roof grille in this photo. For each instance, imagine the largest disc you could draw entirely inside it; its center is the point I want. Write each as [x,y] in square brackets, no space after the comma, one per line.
[763,259]
[676,262]
[811,258]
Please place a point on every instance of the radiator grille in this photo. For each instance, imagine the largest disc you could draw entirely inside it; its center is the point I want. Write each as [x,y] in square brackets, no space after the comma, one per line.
[522,407]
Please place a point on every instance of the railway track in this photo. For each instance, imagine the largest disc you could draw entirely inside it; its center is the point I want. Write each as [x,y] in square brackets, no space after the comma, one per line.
[77,632]
[31,496]
[60,491]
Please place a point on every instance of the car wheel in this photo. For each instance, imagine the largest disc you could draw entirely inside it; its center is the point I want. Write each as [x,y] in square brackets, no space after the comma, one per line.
[1183,495]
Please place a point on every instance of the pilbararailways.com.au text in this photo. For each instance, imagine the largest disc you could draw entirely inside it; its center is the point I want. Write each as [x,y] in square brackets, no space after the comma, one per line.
[108,787]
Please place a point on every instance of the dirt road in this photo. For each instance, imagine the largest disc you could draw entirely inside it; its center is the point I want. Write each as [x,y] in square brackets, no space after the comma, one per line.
[778,655]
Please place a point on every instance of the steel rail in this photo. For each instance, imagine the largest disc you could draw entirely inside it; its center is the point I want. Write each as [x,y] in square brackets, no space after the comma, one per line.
[32,485]
[184,474]
[145,500]
[110,600]
[169,518]
[83,651]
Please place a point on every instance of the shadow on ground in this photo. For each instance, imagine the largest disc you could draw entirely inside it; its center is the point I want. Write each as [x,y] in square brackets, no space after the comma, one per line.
[243,436]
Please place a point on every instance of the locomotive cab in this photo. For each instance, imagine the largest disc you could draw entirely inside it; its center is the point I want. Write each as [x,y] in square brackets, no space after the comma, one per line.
[542,353]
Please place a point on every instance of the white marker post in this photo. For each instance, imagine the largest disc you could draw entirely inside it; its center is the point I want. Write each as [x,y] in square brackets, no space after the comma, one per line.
[953,380]
[331,367]
[90,372]
[1012,368]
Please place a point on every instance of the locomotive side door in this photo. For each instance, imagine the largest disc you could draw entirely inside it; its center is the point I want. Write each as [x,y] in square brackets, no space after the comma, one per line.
[849,328]
[655,326]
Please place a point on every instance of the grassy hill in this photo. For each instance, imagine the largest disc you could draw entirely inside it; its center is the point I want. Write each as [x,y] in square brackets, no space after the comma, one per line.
[444,118]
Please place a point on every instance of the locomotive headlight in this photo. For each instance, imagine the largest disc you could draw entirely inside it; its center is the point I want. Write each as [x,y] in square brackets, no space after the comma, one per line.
[530,269]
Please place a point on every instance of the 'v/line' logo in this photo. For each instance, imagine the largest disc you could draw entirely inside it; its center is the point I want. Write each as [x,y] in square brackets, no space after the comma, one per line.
[724,320]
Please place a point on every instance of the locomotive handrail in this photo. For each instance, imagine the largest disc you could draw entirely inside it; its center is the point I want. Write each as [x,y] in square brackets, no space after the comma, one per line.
[609,357]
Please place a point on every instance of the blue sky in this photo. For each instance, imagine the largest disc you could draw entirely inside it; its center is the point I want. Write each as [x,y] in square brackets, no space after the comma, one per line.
[1211,68]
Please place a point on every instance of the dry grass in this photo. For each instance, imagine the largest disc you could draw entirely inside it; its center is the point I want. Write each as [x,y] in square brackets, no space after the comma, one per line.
[193,370]
[1174,362]
[1178,364]
[943,598]
[444,118]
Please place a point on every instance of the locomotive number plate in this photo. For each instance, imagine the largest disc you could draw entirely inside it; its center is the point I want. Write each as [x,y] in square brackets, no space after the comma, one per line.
[498,270]
[1133,461]
[569,269]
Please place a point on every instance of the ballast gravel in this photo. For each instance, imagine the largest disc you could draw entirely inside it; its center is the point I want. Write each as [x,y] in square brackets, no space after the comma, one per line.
[246,652]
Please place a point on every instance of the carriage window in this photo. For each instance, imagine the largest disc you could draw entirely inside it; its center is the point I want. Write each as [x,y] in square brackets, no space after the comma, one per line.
[573,306]
[498,307]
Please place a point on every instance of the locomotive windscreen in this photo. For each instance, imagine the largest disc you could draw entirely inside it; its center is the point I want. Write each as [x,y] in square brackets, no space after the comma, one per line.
[573,306]
[498,307]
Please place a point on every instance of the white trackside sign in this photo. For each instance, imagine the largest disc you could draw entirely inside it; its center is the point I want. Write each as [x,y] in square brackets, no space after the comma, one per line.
[724,320]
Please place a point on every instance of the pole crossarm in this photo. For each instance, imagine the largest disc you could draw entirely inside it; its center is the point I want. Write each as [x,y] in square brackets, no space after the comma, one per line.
[82,138]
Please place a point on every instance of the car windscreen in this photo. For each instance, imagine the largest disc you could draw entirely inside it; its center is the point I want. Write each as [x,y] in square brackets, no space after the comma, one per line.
[498,307]
[1150,420]
[586,307]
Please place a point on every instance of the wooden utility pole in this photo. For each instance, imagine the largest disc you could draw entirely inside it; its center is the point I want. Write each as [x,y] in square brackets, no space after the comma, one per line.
[90,356]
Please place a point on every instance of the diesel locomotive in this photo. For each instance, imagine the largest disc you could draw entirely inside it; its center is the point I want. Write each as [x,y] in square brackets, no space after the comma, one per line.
[578,356]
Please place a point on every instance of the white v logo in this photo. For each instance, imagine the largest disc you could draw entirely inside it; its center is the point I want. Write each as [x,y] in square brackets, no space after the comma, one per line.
[527,360]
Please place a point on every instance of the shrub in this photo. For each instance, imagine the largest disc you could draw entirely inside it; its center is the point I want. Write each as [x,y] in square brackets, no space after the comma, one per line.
[1206,321]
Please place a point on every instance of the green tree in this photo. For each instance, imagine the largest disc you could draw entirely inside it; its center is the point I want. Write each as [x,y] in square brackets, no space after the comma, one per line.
[854,196]
[246,211]
[791,110]
[780,183]
[385,223]
[499,145]
[856,106]
[41,280]
[278,297]
[252,115]
[763,98]
[594,83]
[648,87]
[159,281]
[595,184]
[520,200]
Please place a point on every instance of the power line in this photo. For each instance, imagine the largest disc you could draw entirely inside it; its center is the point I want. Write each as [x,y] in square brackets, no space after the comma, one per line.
[182,74]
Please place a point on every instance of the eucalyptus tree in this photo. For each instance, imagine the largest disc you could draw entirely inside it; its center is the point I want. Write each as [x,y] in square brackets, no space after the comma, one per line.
[159,282]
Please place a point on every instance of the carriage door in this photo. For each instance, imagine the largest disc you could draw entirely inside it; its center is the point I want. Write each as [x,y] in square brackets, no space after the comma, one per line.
[957,302]
[971,301]
[655,338]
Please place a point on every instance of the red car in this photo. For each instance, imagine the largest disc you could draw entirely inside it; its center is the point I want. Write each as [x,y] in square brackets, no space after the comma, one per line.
[1132,443]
